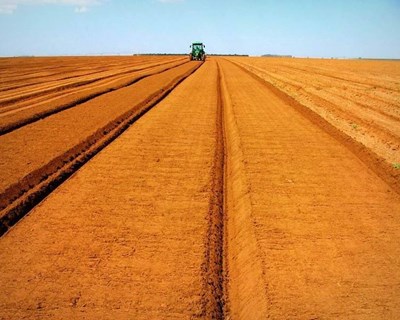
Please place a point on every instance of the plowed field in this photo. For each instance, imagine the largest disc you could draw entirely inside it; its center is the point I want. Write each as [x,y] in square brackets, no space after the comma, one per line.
[238,188]
[360,98]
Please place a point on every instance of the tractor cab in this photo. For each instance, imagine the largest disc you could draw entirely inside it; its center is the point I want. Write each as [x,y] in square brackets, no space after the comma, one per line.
[198,53]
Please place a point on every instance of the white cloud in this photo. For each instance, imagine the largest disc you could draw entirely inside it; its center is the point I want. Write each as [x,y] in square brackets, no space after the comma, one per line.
[9,6]
[82,9]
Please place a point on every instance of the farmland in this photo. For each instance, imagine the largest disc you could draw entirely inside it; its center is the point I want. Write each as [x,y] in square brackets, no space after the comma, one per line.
[153,187]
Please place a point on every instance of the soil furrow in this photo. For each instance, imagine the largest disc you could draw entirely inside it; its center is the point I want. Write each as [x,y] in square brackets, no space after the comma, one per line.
[375,98]
[323,222]
[57,86]
[374,161]
[25,76]
[65,75]
[126,236]
[368,104]
[360,95]
[370,117]
[229,199]
[245,286]
[56,107]
[213,298]
[112,82]
[352,81]
[19,198]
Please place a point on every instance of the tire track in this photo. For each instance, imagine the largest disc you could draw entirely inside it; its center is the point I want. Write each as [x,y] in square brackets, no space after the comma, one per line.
[244,276]
[21,197]
[213,295]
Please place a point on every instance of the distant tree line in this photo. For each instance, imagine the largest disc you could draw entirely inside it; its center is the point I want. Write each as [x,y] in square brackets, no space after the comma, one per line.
[230,55]
[185,54]
[160,54]
[277,56]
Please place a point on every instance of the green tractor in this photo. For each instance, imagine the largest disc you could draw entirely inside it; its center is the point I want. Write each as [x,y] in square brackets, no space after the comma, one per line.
[198,52]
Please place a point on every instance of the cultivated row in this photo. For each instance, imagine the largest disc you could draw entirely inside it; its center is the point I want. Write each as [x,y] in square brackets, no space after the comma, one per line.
[227,199]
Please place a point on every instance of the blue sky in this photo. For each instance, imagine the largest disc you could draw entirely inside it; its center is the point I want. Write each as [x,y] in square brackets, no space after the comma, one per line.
[324,28]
